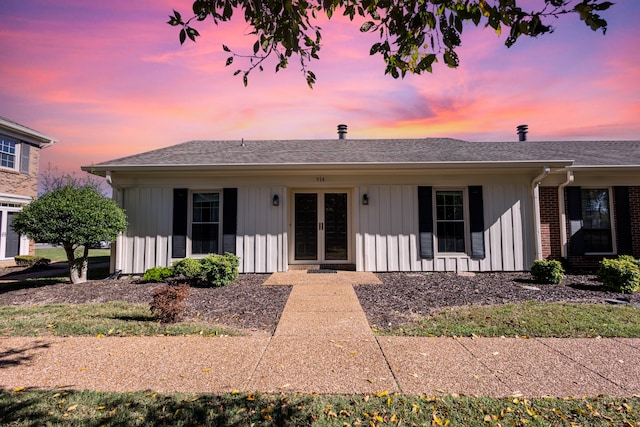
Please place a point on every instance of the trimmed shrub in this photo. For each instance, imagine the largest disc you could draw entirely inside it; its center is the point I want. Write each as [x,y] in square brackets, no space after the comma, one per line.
[169,303]
[620,275]
[547,271]
[190,269]
[220,270]
[31,261]
[157,274]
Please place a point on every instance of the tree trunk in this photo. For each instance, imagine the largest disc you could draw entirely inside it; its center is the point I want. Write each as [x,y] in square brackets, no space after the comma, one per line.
[77,267]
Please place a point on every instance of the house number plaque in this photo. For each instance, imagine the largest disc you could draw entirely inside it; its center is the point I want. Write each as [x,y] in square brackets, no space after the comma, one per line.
[320,179]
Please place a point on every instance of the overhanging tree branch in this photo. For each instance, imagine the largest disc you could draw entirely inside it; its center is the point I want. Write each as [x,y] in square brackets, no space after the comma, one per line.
[414,34]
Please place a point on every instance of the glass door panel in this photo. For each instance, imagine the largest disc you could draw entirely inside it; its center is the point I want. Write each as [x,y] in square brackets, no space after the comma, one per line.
[306,226]
[335,227]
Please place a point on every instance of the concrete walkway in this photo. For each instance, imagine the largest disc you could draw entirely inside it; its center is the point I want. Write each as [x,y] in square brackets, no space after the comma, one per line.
[323,344]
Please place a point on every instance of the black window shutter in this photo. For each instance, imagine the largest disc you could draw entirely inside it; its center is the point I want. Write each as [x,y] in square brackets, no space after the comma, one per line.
[180,211]
[476,221]
[576,237]
[25,151]
[623,220]
[425,222]
[229,219]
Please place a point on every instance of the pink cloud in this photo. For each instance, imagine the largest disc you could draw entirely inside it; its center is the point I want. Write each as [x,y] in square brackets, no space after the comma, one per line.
[110,80]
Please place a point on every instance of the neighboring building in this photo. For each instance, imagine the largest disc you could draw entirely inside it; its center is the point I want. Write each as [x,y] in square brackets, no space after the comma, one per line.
[19,153]
[378,205]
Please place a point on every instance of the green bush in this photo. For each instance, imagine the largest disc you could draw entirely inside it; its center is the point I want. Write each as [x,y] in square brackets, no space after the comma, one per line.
[190,269]
[31,261]
[620,275]
[547,271]
[220,270]
[157,274]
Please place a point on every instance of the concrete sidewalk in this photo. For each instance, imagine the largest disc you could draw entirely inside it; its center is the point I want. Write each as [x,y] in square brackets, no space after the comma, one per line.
[323,344]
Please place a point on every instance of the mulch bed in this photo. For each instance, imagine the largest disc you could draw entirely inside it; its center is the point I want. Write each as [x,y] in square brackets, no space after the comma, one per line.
[401,298]
[244,304]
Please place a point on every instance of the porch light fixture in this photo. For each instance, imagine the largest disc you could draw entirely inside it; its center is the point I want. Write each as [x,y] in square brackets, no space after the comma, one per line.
[276,200]
[365,199]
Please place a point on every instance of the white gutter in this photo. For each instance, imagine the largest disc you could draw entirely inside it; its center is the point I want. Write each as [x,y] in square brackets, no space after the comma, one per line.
[535,195]
[563,214]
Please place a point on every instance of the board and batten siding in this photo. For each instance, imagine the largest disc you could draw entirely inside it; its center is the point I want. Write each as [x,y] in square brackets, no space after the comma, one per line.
[147,241]
[387,231]
[261,240]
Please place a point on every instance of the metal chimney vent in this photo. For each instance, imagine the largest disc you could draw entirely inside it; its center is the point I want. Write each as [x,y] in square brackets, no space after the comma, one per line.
[522,132]
[342,131]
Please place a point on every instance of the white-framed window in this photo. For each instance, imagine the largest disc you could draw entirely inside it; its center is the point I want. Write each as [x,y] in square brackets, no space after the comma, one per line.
[9,152]
[597,229]
[205,222]
[450,220]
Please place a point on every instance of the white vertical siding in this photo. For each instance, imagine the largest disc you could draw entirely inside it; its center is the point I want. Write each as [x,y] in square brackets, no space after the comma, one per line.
[145,244]
[261,236]
[384,235]
[386,239]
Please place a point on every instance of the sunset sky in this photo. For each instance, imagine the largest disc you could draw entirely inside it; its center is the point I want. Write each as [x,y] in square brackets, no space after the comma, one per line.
[110,79]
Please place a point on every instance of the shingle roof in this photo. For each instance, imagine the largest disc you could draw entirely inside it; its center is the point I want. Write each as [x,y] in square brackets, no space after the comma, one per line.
[380,151]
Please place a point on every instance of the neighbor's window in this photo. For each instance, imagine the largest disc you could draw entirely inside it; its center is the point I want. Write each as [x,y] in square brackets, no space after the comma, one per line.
[7,153]
[205,223]
[596,220]
[450,228]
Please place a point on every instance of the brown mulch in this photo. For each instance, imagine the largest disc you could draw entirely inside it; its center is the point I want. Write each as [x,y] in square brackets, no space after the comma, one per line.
[244,304]
[401,298]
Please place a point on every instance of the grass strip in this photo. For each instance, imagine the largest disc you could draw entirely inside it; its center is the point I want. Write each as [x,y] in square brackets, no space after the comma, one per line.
[530,319]
[59,255]
[80,408]
[105,319]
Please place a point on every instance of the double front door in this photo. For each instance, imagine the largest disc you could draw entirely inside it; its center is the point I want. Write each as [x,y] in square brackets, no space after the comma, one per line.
[321,226]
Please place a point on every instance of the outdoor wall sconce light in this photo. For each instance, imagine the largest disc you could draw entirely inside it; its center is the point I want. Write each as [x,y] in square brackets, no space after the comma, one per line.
[276,200]
[365,199]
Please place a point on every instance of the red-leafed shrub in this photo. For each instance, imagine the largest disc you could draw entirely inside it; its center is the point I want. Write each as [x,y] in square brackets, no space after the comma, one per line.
[169,303]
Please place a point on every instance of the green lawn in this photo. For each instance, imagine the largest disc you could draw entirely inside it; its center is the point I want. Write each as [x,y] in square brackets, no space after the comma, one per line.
[113,318]
[531,319]
[74,408]
[58,254]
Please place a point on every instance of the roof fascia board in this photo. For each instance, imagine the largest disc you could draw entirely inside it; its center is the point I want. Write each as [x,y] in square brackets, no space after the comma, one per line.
[23,133]
[606,168]
[323,167]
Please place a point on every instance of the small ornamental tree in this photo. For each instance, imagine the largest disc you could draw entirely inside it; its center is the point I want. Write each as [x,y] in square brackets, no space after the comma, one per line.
[72,215]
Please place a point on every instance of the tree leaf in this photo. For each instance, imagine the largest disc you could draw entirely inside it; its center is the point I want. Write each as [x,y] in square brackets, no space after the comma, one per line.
[366,26]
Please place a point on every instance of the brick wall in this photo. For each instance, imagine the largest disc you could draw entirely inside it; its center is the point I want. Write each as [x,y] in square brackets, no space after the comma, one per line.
[634,204]
[591,262]
[549,222]
[21,184]
[14,182]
